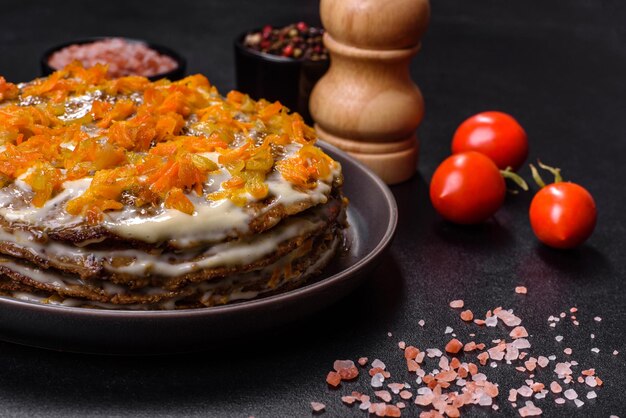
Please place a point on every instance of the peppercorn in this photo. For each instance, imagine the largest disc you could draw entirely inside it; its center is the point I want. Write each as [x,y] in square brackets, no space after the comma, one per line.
[298,41]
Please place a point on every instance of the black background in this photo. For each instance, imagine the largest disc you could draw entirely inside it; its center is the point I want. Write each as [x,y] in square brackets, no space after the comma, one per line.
[558,66]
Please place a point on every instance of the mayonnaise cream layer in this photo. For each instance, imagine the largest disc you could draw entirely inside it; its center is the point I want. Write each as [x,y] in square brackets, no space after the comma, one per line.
[140,263]
[212,221]
[214,292]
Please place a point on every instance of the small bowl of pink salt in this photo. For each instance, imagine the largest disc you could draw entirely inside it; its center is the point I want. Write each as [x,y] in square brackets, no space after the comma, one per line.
[123,56]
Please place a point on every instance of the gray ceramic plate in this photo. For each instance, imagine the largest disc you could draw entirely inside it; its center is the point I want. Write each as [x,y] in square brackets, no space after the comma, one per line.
[372,215]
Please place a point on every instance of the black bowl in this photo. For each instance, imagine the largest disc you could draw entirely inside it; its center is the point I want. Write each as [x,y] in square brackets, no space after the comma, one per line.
[176,74]
[272,77]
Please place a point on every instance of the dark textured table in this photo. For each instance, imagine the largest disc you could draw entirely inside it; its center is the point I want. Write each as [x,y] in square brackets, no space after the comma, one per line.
[558,66]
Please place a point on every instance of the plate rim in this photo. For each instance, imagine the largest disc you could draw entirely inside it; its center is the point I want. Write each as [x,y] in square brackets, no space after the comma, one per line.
[252,304]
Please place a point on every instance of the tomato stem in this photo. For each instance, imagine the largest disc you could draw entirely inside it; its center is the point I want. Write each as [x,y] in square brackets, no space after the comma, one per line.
[537,177]
[554,170]
[509,174]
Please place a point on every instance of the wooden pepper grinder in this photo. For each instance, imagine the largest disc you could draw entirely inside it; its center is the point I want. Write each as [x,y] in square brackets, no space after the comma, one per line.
[367,104]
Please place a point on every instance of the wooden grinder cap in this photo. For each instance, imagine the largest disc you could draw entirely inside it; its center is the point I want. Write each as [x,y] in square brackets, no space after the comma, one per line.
[367,103]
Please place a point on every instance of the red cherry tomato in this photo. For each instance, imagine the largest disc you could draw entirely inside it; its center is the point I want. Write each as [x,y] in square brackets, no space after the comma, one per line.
[467,188]
[563,215]
[495,134]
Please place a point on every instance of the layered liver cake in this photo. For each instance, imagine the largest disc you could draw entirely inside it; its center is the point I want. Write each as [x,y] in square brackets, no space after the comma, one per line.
[130,194]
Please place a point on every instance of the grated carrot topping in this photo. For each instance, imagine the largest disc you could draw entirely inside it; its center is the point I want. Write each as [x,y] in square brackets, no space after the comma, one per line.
[154,141]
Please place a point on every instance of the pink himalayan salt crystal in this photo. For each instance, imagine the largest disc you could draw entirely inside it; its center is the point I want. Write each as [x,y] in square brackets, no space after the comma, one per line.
[346,369]
[512,395]
[317,406]
[521,343]
[349,400]
[591,381]
[518,332]
[402,345]
[339,365]
[395,387]
[392,411]
[491,321]
[521,290]
[555,387]
[525,391]
[559,401]
[383,395]
[530,410]
[508,318]
[562,369]
[567,351]
[378,364]
[401,405]
[406,395]
[421,323]
[362,361]
[542,361]
[570,394]
[458,303]
[511,352]
[377,380]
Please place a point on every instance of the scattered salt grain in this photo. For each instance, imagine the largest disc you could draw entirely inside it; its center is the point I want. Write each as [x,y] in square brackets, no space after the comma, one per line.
[317,406]
[542,361]
[405,394]
[578,403]
[458,303]
[433,352]
[529,410]
[395,387]
[615,352]
[521,290]
[519,332]
[567,351]
[401,345]
[559,338]
[570,394]
[591,381]
[448,330]
[378,364]
[362,361]
[521,343]
[421,323]
[389,334]
[559,401]
[597,319]
[595,350]
[377,380]
[591,395]
[384,395]
[492,321]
